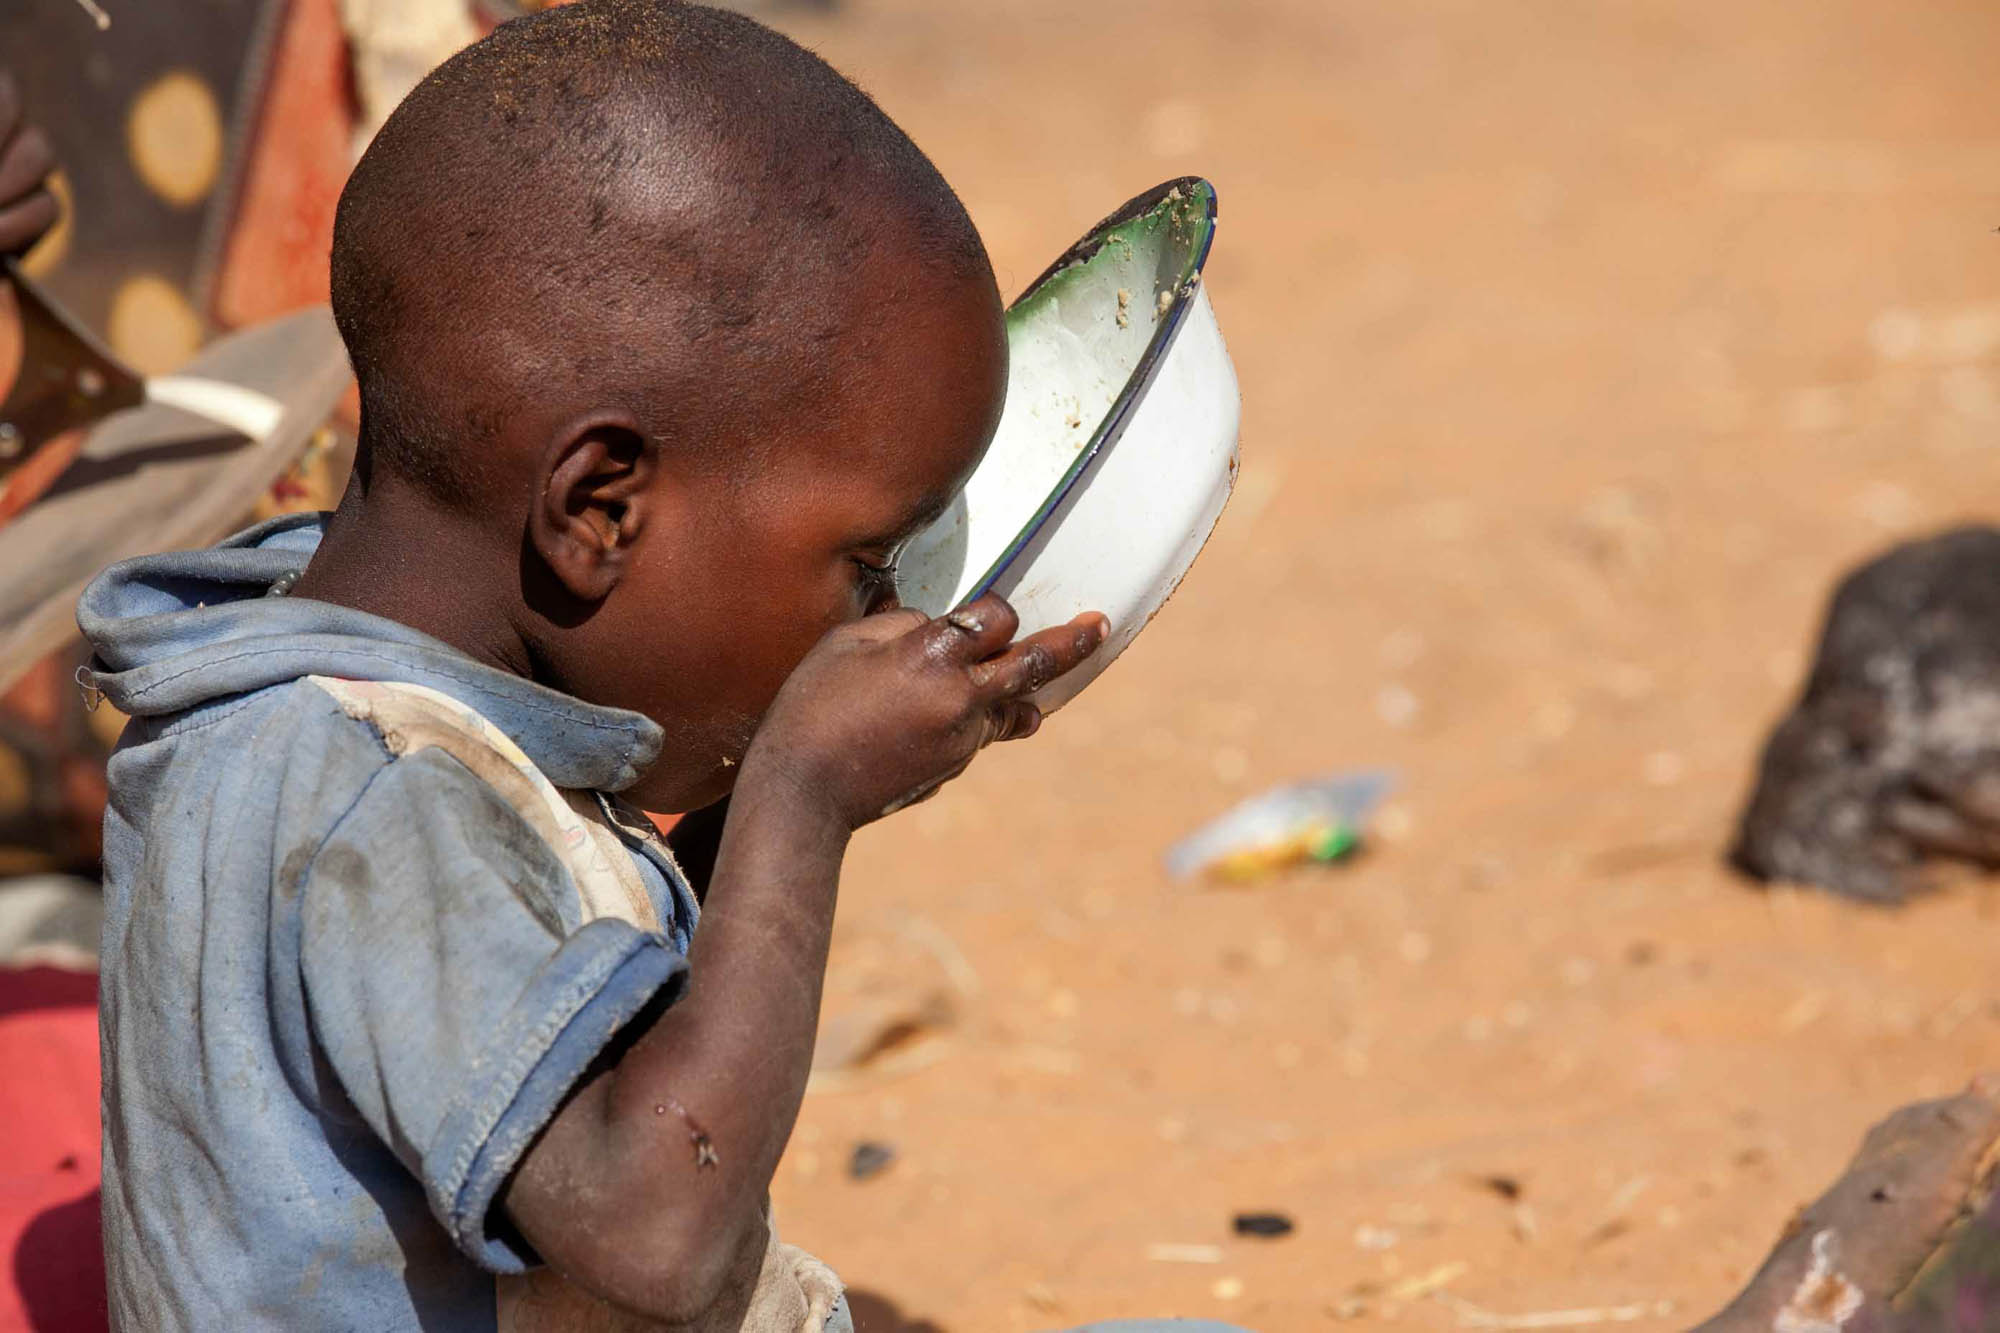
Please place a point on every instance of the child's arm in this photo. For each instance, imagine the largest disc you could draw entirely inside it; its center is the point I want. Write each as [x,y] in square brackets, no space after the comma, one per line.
[27,209]
[648,1187]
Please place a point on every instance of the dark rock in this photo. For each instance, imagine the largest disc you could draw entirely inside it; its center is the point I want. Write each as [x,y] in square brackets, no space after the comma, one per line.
[1266,1225]
[870,1159]
[1892,756]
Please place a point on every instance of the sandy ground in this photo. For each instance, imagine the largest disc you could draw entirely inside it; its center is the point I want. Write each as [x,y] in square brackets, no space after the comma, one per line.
[1581,345]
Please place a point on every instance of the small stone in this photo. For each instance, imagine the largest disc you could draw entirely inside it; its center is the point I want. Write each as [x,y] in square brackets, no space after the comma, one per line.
[1268,1226]
[1896,334]
[1397,705]
[1227,1289]
[1375,1239]
[1577,971]
[870,1159]
[1395,822]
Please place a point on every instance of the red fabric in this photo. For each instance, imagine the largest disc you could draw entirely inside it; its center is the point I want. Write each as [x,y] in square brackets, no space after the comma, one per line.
[51,1251]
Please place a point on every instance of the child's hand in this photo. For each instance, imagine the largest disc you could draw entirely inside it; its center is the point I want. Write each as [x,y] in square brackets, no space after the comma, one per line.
[886,710]
[880,713]
[27,209]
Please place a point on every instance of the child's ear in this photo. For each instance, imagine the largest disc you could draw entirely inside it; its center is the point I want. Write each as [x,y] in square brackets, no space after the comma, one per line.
[594,503]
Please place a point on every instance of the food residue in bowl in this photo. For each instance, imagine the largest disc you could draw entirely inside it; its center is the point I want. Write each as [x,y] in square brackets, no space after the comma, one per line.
[1124,309]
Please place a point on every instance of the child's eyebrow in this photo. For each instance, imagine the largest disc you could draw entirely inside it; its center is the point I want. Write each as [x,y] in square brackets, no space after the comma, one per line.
[932,510]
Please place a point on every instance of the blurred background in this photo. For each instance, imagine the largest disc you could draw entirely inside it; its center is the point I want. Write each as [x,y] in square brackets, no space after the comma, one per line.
[1582,346]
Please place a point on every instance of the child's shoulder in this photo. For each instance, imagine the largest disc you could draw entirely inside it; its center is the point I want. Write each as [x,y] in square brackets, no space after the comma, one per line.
[311,754]
[381,782]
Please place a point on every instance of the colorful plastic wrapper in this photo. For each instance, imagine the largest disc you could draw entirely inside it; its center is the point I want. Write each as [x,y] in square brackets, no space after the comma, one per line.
[1320,819]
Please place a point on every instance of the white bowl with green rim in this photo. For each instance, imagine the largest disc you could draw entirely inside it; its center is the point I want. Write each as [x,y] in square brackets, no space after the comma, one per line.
[1117,447]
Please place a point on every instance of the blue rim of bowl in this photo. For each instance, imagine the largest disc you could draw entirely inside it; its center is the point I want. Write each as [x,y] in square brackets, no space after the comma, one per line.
[1112,427]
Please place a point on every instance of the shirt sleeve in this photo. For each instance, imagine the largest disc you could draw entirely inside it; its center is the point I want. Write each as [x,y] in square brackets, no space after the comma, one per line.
[451,989]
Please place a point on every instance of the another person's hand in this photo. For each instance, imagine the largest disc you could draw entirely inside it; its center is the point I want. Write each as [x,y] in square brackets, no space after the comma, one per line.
[888,709]
[27,208]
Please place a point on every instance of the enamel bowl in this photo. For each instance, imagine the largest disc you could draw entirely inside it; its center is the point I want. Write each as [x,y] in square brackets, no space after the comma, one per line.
[1116,449]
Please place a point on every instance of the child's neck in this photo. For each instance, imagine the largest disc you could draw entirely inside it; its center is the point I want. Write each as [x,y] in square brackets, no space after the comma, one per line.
[399,557]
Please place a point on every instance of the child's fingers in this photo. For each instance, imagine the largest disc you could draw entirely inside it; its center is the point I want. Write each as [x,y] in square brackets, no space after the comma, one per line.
[882,626]
[975,631]
[1015,720]
[1040,658]
[10,103]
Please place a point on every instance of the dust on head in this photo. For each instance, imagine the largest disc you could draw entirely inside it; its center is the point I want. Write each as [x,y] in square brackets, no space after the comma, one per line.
[656,204]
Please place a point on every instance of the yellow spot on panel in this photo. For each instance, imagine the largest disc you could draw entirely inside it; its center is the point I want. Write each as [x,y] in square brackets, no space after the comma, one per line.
[43,259]
[174,134]
[152,325]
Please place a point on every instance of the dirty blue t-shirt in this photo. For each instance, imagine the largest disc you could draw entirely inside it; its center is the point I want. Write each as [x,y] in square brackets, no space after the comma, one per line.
[342,989]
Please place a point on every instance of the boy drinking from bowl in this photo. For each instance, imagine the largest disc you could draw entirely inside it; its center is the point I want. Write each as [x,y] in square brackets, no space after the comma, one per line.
[668,340]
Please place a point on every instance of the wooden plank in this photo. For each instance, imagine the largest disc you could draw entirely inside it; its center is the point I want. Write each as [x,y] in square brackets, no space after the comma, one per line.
[158,479]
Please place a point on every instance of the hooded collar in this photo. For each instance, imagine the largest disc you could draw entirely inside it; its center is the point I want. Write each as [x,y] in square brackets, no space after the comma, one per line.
[177,631]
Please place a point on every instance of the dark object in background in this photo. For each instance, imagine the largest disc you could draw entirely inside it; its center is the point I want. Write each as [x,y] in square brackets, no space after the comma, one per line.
[1892,757]
[1269,1226]
[1906,1241]
[870,1159]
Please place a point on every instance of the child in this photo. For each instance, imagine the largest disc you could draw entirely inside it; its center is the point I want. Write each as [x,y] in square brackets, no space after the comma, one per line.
[668,340]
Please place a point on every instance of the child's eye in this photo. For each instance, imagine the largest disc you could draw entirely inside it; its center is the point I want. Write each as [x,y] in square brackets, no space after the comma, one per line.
[881,576]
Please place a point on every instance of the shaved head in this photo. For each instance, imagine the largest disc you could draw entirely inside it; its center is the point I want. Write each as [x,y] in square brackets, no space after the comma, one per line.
[669,342]
[651,204]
